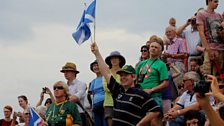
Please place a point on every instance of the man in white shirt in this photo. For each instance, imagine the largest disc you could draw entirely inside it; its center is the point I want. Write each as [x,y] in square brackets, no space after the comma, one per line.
[77,88]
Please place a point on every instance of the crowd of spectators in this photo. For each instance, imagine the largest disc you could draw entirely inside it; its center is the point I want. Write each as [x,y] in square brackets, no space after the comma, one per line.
[178,81]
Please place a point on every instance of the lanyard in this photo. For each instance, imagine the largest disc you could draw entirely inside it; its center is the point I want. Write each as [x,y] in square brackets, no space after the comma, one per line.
[148,66]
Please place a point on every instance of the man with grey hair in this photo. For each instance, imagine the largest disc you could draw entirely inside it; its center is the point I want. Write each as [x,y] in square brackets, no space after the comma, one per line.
[175,52]
[186,102]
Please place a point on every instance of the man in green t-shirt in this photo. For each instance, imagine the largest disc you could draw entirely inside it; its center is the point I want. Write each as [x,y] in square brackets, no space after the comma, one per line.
[153,74]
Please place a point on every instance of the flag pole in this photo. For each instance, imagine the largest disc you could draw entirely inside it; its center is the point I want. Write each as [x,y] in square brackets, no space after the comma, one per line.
[94,26]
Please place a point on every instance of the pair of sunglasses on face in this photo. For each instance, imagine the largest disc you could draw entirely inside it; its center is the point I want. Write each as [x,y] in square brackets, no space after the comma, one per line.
[144,50]
[58,87]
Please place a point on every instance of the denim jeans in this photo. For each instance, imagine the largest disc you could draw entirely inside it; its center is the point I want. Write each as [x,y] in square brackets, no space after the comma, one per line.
[98,116]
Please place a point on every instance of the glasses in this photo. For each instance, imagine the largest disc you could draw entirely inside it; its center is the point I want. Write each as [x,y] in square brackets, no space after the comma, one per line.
[143,50]
[58,87]
[26,113]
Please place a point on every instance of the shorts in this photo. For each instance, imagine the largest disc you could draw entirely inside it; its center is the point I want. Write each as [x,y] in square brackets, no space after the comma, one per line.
[158,100]
[108,112]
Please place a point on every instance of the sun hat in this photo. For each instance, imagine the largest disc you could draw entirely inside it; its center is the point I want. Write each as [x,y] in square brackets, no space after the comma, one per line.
[69,67]
[115,54]
[91,65]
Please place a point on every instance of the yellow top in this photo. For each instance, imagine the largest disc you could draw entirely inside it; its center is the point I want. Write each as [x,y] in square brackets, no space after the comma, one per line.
[108,100]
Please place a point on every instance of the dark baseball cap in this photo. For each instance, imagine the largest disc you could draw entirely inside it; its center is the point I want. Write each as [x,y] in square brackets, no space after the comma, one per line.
[127,69]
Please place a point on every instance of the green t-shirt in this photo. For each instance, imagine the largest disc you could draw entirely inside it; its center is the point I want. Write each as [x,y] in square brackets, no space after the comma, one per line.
[154,71]
[56,114]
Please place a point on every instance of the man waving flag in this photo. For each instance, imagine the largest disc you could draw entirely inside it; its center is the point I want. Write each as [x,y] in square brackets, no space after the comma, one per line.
[83,31]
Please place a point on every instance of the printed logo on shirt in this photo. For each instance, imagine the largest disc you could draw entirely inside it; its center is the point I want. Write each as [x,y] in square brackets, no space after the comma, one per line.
[130,99]
[119,96]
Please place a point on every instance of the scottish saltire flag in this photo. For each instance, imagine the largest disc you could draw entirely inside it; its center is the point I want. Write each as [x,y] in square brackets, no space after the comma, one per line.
[83,31]
[90,13]
[35,119]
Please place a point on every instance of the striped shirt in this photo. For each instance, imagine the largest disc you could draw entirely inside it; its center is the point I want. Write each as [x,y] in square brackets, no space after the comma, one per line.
[130,106]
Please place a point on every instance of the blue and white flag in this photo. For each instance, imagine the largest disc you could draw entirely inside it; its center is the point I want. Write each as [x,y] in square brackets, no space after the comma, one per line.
[35,119]
[83,31]
[90,13]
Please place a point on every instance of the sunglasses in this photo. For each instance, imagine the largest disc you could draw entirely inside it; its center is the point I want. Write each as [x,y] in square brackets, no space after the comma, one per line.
[26,113]
[143,50]
[58,87]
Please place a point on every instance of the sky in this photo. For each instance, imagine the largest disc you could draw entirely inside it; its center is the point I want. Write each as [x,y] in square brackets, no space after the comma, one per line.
[36,38]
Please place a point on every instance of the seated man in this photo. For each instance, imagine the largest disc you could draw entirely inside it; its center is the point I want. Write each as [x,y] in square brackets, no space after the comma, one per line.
[186,102]
[133,107]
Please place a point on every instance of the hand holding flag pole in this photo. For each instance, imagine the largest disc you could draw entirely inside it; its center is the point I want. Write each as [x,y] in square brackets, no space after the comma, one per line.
[83,31]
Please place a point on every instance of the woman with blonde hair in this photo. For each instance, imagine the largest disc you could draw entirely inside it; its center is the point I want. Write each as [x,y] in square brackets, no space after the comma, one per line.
[62,112]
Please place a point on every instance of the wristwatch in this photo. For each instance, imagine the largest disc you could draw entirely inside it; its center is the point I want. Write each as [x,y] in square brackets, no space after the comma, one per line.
[178,112]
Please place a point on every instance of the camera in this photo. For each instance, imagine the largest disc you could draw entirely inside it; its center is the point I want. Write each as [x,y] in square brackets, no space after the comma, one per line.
[141,78]
[192,21]
[202,87]
[189,20]
[44,90]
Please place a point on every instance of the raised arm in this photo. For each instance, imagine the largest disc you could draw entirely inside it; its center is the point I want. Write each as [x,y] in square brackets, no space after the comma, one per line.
[48,91]
[215,88]
[13,123]
[41,99]
[212,115]
[181,28]
[102,65]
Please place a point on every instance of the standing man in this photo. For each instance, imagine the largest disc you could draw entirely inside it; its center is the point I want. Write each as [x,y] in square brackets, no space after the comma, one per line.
[77,88]
[7,121]
[209,22]
[131,103]
[192,38]
[176,52]
[153,74]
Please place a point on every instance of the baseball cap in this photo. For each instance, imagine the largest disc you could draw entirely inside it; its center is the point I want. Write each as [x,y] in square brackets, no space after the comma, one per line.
[127,69]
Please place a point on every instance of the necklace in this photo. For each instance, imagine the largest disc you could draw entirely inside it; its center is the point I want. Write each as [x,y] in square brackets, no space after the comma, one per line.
[58,113]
